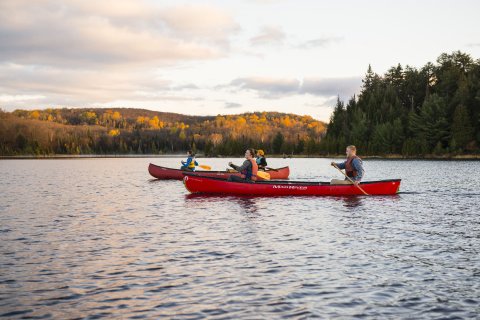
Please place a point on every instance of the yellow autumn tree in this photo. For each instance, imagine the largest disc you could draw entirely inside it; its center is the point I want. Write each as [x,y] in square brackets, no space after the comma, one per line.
[216,138]
[114,132]
[240,122]
[35,114]
[89,117]
[182,135]
[116,116]
[154,123]
[140,120]
[287,122]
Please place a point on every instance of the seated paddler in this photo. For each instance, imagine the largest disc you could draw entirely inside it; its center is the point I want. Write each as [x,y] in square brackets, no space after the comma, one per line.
[353,166]
[261,160]
[190,164]
[248,169]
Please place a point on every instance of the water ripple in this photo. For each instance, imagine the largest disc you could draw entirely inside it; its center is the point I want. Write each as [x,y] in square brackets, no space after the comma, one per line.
[101,239]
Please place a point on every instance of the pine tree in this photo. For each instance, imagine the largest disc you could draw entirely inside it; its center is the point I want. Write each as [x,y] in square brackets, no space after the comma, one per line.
[277,143]
[462,129]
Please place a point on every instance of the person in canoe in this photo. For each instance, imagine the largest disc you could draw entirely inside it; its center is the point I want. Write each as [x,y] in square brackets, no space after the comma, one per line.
[249,168]
[353,167]
[190,164]
[261,160]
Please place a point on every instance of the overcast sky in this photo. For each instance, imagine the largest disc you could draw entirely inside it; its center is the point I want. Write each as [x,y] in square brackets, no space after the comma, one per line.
[217,57]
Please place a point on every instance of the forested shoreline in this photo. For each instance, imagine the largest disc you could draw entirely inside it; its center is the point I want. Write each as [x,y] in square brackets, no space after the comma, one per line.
[431,112]
[428,112]
[83,131]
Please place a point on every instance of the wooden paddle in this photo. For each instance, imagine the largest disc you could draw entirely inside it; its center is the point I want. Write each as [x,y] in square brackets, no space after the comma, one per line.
[204,166]
[358,186]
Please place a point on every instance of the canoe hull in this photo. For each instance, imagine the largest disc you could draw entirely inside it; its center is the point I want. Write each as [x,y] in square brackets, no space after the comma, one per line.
[202,184]
[165,173]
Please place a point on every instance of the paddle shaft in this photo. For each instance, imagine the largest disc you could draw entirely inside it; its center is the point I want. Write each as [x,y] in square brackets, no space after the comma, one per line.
[358,186]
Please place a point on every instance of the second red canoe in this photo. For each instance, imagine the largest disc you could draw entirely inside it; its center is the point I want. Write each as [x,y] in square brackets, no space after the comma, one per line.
[165,173]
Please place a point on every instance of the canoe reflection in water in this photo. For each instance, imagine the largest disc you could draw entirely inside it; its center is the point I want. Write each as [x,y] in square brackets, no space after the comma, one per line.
[246,203]
[250,204]
[352,202]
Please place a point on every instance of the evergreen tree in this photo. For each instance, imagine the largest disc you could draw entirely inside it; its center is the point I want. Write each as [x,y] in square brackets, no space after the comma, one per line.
[435,109]
[462,129]
[277,143]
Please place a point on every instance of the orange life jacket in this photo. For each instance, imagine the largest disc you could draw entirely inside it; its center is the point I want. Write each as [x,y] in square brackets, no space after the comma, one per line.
[349,169]
[254,169]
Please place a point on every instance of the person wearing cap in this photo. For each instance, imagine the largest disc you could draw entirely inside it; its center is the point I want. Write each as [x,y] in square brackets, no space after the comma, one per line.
[261,161]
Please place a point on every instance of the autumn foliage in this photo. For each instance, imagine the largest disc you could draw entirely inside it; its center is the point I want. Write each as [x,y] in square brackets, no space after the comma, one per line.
[139,131]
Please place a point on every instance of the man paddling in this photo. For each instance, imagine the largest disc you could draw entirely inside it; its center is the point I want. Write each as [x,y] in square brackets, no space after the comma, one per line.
[249,168]
[353,167]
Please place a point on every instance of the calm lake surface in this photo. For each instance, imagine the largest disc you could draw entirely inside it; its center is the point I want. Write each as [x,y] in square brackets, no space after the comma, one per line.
[92,238]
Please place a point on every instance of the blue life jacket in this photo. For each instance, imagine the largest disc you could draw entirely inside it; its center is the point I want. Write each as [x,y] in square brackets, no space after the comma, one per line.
[191,163]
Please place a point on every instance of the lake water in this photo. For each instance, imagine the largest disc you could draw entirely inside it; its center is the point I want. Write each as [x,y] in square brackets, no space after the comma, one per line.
[92,238]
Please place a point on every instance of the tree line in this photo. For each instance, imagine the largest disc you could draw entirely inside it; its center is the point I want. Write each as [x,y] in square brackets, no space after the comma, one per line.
[434,110]
[139,131]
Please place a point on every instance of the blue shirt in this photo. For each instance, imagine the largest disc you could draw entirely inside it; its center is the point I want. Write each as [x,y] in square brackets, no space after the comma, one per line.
[357,165]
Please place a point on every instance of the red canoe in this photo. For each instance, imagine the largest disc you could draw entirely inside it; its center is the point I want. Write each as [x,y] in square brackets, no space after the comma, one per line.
[177,174]
[202,184]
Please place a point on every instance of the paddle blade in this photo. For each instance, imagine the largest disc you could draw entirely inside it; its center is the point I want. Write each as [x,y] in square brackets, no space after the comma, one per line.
[263,175]
[203,166]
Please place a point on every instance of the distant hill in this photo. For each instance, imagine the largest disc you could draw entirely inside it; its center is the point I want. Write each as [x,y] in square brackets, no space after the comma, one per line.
[141,131]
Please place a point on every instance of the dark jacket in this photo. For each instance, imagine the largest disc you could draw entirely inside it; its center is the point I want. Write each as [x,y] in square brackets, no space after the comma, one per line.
[245,168]
[262,162]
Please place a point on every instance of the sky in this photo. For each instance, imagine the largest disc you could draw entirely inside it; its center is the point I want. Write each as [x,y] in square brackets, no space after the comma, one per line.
[217,57]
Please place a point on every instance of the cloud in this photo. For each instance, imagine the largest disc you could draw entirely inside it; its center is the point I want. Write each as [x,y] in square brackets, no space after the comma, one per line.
[477,44]
[96,52]
[201,21]
[19,98]
[278,87]
[269,35]
[41,86]
[345,87]
[96,33]
[232,105]
[93,83]
[326,103]
[267,87]
[188,86]
[266,1]
[150,96]
[319,42]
